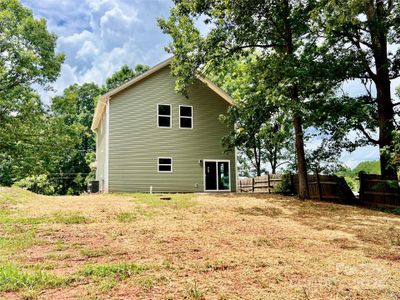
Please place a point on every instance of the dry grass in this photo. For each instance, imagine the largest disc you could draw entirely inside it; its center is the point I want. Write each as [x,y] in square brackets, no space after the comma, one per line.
[135,246]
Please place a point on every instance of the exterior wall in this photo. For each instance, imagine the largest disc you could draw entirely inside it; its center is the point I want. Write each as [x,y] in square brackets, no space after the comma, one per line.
[135,142]
[101,152]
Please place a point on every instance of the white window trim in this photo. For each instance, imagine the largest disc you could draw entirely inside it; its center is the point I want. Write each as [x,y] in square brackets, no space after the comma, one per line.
[191,107]
[158,164]
[169,116]
[204,175]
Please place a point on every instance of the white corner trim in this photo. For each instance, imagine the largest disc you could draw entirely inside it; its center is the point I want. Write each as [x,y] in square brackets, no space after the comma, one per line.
[106,165]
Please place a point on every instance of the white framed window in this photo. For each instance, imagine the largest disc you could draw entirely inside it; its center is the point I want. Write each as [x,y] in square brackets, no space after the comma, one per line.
[164,116]
[185,116]
[164,164]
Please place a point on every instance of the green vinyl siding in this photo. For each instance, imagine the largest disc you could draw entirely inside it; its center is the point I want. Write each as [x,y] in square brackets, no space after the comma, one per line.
[136,143]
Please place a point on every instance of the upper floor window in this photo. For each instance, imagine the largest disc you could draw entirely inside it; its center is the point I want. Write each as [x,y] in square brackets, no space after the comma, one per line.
[164,115]
[185,116]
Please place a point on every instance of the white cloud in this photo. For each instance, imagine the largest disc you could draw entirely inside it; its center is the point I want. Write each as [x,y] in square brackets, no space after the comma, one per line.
[88,49]
[99,36]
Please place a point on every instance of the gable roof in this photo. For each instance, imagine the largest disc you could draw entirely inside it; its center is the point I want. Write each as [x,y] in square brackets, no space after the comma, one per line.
[102,102]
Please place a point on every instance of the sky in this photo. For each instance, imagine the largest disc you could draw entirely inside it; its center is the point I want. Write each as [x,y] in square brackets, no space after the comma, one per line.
[99,36]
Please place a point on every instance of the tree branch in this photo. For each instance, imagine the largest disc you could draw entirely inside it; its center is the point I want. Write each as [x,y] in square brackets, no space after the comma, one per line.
[356,42]
[366,134]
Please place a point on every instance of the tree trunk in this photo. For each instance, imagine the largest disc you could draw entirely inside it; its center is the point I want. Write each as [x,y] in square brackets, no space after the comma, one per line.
[257,160]
[376,16]
[297,122]
[386,127]
[301,159]
[273,169]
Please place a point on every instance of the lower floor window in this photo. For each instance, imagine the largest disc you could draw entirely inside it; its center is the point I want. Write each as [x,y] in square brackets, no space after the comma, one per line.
[165,164]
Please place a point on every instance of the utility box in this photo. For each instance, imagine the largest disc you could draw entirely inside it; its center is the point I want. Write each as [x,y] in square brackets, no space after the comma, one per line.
[93,186]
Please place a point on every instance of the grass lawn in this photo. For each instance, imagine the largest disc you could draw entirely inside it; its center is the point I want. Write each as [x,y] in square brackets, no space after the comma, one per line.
[135,246]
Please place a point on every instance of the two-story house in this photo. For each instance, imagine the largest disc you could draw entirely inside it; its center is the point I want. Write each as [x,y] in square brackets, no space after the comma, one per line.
[149,138]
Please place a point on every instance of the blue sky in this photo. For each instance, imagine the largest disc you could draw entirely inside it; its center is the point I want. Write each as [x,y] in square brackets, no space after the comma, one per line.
[99,36]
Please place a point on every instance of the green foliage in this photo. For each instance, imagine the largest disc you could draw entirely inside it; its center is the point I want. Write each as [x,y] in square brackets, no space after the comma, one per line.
[27,57]
[27,50]
[285,186]
[351,175]
[74,110]
[369,167]
[352,182]
[262,132]
[123,75]
[38,184]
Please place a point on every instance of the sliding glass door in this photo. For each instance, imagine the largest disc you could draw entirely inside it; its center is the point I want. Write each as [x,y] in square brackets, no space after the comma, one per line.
[216,175]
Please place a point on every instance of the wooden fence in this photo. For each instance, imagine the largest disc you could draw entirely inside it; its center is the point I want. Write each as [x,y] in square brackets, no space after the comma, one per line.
[260,184]
[321,187]
[375,191]
[327,188]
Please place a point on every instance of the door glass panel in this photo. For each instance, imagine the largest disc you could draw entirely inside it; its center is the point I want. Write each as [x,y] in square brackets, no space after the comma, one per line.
[223,176]
[211,175]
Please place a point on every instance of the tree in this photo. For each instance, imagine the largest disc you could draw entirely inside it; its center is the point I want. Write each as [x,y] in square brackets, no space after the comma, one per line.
[27,57]
[282,31]
[27,49]
[75,109]
[262,130]
[123,75]
[360,33]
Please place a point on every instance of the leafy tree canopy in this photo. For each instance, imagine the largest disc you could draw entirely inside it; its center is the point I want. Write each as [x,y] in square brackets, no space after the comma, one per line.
[123,75]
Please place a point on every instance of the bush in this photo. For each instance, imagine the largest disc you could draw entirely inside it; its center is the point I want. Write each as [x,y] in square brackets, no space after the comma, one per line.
[39,184]
[285,186]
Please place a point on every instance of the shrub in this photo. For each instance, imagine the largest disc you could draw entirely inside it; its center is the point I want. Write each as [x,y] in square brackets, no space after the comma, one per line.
[285,186]
[39,184]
